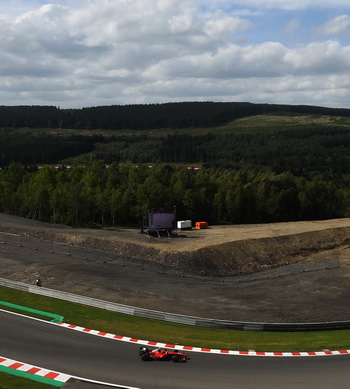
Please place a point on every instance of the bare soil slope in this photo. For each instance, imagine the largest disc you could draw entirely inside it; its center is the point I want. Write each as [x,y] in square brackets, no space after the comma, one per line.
[216,251]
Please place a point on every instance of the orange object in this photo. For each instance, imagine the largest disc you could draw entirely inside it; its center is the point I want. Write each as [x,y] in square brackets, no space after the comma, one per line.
[201,225]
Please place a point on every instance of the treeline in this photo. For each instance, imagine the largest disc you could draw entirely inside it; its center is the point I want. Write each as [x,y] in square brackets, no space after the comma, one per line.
[146,116]
[305,151]
[120,195]
[31,149]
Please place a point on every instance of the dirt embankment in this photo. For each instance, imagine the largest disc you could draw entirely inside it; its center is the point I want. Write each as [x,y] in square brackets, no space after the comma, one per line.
[251,255]
[217,251]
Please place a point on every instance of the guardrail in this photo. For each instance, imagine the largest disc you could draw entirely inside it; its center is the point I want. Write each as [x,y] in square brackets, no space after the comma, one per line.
[172,317]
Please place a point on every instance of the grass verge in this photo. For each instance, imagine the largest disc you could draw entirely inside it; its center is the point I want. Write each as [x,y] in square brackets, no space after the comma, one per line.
[9,381]
[153,330]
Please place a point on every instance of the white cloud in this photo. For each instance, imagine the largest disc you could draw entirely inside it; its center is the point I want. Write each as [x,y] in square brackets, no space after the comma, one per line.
[339,25]
[222,25]
[95,52]
[324,58]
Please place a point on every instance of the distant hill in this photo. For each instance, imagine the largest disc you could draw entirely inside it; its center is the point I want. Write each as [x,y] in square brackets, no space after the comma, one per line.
[148,116]
[310,143]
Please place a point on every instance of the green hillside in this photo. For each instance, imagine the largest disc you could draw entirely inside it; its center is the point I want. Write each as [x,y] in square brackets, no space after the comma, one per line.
[314,142]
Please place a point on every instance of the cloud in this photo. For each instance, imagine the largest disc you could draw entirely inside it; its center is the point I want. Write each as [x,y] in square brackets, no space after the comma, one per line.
[96,52]
[339,25]
[324,58]
[270,59]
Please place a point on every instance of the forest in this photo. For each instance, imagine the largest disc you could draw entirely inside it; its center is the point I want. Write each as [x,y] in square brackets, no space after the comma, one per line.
[147,116]
[120,195]
[286,165]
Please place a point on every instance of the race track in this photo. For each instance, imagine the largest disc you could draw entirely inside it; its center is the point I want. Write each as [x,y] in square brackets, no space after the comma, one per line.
[102,359]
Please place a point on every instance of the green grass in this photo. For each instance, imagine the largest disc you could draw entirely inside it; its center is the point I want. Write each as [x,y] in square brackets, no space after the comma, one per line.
[153,330]
[9,381]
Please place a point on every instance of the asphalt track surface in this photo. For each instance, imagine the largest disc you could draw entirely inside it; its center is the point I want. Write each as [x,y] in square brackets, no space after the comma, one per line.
[53,347]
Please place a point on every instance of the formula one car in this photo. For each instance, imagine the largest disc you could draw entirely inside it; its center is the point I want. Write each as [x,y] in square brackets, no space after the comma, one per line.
[162,355]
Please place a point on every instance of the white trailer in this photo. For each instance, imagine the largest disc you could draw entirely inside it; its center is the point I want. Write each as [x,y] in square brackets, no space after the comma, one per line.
[184,225]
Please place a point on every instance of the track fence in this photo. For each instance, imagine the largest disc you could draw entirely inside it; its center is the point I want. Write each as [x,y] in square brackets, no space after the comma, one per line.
[310,265]
[175,318]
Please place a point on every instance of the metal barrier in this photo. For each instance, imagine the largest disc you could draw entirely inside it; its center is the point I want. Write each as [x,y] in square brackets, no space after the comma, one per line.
[172,317]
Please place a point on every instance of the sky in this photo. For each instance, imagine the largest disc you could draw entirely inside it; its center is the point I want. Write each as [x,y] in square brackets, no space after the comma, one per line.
[83,53]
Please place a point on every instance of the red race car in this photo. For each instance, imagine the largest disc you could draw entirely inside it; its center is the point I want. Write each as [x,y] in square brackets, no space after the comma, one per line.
[162,355]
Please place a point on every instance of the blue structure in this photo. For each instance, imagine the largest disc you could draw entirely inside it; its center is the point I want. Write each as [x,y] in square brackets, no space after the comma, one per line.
[159,222]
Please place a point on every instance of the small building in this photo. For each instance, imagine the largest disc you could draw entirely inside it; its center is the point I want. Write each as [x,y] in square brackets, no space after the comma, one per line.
[159,222]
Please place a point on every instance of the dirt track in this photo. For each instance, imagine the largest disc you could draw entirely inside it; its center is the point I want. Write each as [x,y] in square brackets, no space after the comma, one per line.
[210,256]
